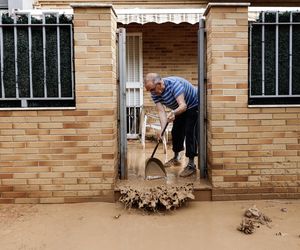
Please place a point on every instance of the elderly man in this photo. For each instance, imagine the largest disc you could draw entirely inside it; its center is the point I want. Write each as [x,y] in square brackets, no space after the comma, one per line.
[181,97]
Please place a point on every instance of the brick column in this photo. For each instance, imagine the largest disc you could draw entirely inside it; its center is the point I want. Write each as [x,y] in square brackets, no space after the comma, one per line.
[96,85]
[227,89]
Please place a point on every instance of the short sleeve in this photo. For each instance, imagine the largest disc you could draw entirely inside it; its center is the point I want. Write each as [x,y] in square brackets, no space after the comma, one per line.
[178,88]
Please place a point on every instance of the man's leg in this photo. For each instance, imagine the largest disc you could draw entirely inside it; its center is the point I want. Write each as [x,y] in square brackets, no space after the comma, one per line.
[191,133]
[191,138]
[178,134]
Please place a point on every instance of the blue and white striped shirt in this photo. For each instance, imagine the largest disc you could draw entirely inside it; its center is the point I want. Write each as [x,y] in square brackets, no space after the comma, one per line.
[174,86]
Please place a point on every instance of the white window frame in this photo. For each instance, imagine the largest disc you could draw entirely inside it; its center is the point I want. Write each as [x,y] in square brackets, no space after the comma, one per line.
[136,85]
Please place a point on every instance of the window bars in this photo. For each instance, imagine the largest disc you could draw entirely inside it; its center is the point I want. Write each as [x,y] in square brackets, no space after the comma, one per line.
[274,68]
[134,83]
[38,51]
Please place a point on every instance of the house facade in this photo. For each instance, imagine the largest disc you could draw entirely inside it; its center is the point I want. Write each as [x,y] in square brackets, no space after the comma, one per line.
[62,155]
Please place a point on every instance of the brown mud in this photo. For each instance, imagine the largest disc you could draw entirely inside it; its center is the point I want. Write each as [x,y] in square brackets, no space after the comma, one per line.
[196,225]
[156,198]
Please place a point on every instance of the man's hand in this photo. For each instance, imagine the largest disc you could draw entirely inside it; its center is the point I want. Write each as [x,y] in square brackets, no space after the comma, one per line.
[158,135]
[171,116]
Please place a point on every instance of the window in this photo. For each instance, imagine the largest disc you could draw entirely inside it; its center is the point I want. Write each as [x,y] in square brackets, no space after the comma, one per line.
[274,72]
[134,83]
[36,61]
[4,4]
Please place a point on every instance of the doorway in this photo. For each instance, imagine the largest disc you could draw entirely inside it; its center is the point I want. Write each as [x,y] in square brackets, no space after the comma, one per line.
[160,53]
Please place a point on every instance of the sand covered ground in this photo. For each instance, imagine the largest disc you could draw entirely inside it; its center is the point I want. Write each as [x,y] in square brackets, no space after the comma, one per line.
[198,225]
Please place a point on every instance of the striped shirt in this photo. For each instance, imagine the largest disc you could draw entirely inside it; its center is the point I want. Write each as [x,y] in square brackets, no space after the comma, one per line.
[175,86]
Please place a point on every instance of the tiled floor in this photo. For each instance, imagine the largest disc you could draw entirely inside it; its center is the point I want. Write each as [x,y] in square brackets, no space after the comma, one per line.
[136,158]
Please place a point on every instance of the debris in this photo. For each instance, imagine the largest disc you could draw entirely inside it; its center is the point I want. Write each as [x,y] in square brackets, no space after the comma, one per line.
[284,209]
[281,234]
[117,216]
[156,198]
[252,212]
[16,212]
[247,226]
[253,219]
[257,216]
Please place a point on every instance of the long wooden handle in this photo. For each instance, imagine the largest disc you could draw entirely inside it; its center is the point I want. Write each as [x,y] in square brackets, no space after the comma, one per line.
[162,133]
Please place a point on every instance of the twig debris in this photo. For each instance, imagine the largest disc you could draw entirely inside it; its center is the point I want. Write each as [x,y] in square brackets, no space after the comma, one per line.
[284,209]
[253,218]
[281,234]
[247,226]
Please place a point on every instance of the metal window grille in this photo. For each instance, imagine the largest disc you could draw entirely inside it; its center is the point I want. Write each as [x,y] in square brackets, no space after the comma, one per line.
[36,60]
[134,83]
[274,69]
[3,4]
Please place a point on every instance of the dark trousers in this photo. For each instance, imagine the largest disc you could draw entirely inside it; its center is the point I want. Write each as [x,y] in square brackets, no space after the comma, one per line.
[185,127]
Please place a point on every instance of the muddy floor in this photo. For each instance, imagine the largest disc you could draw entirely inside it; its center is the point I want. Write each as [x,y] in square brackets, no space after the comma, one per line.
[198,225]
[137,157]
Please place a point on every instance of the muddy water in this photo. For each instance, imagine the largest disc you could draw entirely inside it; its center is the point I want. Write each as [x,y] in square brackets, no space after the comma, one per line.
[199,225]
[137,157]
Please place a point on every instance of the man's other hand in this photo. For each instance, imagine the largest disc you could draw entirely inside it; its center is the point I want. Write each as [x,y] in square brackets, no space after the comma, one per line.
[171,116]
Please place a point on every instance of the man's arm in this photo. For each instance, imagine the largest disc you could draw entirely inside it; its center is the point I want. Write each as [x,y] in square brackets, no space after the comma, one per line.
[162,116]
[181,108]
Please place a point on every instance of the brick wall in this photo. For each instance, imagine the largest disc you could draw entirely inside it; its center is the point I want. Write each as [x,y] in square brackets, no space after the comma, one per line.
[253,153]
[168,49]
[57,156]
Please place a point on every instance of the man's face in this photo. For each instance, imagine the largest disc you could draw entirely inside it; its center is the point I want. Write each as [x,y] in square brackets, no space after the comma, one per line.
[156,89]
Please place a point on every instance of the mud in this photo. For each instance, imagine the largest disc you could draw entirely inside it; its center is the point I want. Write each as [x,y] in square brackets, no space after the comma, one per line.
[198,225]
[18,212]
[253,219]
[157,198]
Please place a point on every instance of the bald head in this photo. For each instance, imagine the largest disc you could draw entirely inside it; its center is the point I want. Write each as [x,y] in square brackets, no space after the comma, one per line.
[153,83]
[152,77]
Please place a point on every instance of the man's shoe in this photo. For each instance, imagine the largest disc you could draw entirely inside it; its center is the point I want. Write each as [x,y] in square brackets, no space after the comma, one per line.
[188,170]
[172,162]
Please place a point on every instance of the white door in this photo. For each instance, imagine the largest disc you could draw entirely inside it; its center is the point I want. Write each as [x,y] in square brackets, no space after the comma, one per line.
[134,83]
